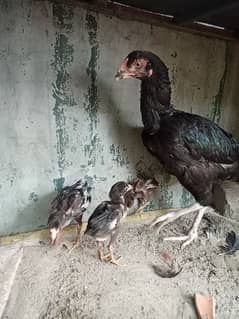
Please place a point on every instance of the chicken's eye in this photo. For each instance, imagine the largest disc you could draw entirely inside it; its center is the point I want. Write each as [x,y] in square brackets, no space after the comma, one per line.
[137,64]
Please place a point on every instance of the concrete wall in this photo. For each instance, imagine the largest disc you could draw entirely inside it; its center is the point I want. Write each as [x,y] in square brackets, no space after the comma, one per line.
[63,116]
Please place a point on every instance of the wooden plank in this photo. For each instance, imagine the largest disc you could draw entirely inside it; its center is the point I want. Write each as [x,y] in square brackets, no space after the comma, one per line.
[132,14]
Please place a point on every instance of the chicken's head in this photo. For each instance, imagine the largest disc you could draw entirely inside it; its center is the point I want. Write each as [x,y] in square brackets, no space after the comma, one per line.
[136,65]
[142,187]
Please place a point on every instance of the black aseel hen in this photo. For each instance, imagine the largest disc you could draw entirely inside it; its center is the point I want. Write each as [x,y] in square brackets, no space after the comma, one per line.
[194,149]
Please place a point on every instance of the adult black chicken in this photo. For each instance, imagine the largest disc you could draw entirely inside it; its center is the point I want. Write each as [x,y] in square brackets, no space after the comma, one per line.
[194,149]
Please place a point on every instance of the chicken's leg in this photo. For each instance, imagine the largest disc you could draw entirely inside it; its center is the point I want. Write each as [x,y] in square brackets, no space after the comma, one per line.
[170,217]
[141,207]
[76,242]
[110,256]
[193,233]
[100,246]
[56,239]
[163,220]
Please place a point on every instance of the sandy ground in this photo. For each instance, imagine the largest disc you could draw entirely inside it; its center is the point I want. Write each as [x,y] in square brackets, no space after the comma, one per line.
[38,281]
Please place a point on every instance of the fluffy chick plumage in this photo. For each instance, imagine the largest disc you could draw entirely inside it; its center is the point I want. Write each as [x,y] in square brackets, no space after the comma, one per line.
[68,205]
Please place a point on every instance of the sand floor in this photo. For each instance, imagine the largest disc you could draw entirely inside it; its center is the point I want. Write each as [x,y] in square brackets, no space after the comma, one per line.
[38,281]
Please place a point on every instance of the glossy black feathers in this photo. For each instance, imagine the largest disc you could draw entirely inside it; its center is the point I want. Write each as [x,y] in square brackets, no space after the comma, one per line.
[194,149]
[232,243]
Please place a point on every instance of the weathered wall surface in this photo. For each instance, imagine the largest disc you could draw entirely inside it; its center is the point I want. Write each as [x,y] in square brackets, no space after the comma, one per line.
[63,116]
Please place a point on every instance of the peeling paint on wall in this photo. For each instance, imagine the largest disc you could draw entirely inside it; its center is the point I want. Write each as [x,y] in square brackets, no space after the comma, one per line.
[216,110]
[186,199]
[165,196]
[58,183]
[91,105]
[33,197]
[63,58]
[89,180]
[63,16]
[121,160]
[94,148]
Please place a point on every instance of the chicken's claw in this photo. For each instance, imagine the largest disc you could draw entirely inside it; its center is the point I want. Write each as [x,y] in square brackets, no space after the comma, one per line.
[111,259]
[187,239]
[76,244]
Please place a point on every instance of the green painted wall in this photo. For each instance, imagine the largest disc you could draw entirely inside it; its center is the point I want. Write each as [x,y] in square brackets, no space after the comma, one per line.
[63,116]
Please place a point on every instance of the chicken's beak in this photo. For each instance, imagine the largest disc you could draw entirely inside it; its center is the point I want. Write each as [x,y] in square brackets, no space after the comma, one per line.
[123,72]
[119,75]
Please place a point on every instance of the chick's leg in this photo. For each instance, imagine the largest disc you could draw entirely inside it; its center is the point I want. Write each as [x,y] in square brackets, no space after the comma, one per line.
[100,246]
[142,206]
[110,257]
[76,242]
[78,231]
[56,239]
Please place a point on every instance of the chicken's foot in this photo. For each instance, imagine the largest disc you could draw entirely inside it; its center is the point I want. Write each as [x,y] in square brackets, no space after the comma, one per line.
[193,233]
[57,240]
[111,258]
[108,257]
[162,221]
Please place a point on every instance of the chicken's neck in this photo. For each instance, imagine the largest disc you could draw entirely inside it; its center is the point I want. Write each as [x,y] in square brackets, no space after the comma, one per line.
[155,102]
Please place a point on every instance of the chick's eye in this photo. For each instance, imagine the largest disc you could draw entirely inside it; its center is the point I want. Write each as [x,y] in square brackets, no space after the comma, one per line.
[137,64]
